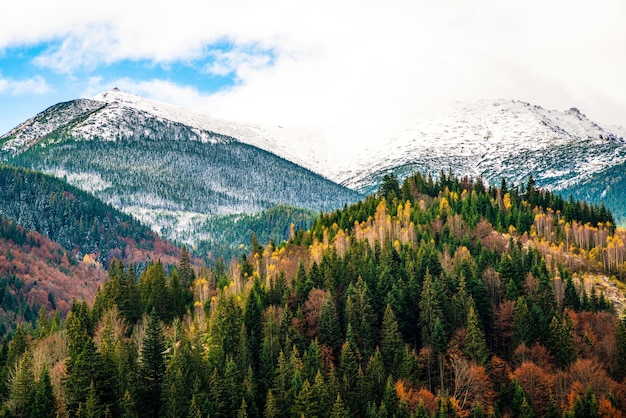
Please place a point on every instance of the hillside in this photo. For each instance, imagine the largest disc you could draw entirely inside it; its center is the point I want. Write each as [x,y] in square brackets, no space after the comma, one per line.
[76,220]
[36,272]
[564,150]
[436,297]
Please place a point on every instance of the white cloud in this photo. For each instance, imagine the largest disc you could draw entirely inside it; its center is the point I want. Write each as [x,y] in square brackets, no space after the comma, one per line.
[36,85]
[347,62]
[239,61]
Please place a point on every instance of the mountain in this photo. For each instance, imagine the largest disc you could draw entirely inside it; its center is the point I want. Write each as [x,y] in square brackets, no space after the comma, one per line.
[564,151]
[179,171]
[168,167]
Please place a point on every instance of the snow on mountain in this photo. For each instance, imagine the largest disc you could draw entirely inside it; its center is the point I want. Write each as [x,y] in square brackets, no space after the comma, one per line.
[489,138]
[493,139]
[497,139]
[25,134]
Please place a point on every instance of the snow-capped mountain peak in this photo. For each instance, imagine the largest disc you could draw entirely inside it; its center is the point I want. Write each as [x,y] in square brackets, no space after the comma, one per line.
[495,139]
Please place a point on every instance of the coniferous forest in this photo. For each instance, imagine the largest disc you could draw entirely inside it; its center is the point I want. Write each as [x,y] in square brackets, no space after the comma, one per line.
[437,297]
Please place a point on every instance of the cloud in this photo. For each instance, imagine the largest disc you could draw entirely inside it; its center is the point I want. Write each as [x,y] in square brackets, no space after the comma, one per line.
[239,61]
[36,85]
[345,62]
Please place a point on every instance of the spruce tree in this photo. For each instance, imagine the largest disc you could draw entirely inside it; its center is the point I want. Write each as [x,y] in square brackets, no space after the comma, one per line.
[391,344]
[475,345]
[22,386]
[339,409]
[44,403]
[152,368]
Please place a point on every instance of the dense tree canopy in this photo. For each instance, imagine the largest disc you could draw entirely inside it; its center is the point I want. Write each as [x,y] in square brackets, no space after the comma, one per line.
[436,298]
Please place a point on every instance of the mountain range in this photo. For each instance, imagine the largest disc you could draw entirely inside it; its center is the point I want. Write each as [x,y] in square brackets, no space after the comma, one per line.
[181,172]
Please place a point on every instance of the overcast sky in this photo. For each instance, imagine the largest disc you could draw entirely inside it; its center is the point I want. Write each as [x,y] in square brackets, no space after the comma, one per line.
[291,62]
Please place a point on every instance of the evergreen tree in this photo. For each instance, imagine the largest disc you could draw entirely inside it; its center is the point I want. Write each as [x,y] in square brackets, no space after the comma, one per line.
[561,340]
[360,315]
[429,307]
[391,344]
[329,333]
[44,403]
[85,365]
[174,402]
[320,398]
[475,345]
[271,406]
[22,387]
[152,368]
[339,409]
[571,299]
[17,346]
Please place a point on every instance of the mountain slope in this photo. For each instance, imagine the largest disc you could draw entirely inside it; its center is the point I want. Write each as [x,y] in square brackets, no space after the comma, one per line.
[36,272]
[76,220]
[149,160]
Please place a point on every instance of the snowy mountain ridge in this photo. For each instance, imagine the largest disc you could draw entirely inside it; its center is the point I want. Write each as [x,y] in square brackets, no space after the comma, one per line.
[492,139]
[499,139]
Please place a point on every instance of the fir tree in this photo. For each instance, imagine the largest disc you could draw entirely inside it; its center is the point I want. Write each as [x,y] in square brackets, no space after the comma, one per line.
[152,368]
[391,344]
[475,345]
[339,409]
[44,403]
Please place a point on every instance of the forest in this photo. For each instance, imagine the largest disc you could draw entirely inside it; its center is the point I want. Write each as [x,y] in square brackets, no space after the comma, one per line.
[437,297]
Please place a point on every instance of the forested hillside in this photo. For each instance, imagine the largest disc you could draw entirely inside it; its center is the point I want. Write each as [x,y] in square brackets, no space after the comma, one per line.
[76,220]
[37,273]
[434,298]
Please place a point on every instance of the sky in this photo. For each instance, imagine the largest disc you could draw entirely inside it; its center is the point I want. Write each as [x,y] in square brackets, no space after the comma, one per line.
[373,64]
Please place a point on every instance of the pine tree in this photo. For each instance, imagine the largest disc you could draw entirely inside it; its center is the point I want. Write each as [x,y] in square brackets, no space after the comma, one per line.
[391,344]
[174,402]
[91,407]
[360,315]
[329,333]
[376,376]
[561,340]
[319,396]
[22,386]
[152,368]
[430,308]
[271,407]
[524,326]
[44,403]
[339,409]
[17,346]
[231,384]
[475,345]
[571,299]
[85,364]
[439,344]
[304,404]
